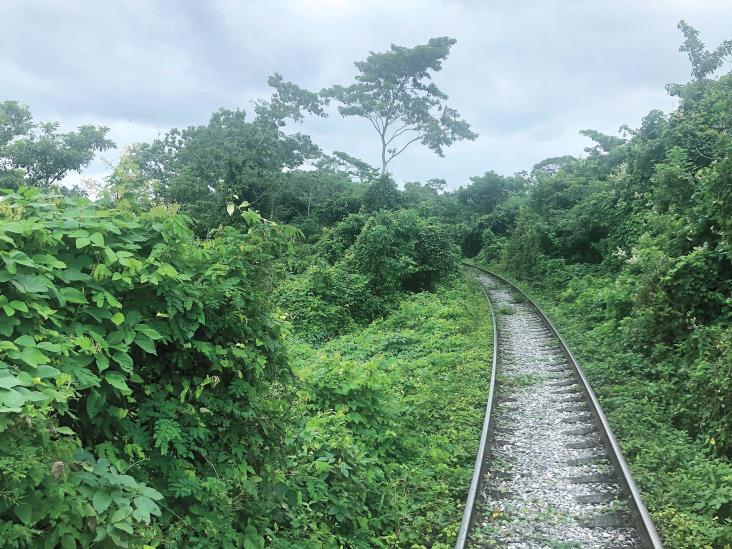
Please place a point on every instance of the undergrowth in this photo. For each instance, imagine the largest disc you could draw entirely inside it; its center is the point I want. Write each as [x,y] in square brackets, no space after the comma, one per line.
[686,488]
[390,423]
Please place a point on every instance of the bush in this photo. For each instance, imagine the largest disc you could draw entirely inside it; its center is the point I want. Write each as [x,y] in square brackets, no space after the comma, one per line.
[335,241]
[135,363]
[400,251]
[327,300]
[382,194]
[366,263]
[387,422]
[529,242]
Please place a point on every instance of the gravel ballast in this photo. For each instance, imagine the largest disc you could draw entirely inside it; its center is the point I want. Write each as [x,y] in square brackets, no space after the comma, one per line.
[548,481]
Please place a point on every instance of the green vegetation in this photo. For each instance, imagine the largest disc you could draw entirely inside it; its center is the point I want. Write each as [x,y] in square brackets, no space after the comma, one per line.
[629,251]
[133,356]
[245,342]
[505,310]
[362,266]
[389,419]
[520,380]
[146,396]
[149,392]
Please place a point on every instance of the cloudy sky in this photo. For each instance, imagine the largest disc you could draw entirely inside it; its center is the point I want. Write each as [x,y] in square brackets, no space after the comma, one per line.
[528,75]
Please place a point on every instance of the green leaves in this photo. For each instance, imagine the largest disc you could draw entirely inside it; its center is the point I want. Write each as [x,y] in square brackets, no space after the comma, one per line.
[71,295]
[32,284]
[14,258]
[47,371]
[252,538]
[18,306]
[145,343]
[94,403]
[25,341]
[10,399]
[118,318]
[97,239]
[24,512]
[11,307]
[124,360]
[32,356]
[8,382]
[117,381]
[105,318]
[144,507]
[121,514]
[148,331]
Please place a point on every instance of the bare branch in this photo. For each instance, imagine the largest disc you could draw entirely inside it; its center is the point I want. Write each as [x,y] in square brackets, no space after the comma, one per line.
[400,151]
[372,123]
[402,130]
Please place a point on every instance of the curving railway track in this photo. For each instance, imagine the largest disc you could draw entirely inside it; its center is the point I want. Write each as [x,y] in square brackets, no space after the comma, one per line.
[549,472]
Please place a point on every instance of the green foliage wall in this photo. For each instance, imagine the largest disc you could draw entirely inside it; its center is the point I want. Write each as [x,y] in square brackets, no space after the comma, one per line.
[138,376]
[386,423]
[633,242]
[364,264]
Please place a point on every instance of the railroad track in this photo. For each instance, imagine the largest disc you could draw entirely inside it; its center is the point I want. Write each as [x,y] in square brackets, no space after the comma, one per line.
[549,472]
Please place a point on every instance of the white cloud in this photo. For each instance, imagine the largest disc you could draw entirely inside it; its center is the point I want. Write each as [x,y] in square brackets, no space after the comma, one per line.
[527,74]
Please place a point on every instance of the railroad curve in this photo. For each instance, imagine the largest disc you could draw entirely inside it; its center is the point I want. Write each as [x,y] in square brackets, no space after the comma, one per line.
[549,472]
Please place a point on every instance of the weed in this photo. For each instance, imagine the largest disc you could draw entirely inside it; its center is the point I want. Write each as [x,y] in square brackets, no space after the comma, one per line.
[505,310]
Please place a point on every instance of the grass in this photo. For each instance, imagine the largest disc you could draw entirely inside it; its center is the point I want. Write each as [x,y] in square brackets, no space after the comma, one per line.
[523,380]
[429,364]
[685,488]
[505,310]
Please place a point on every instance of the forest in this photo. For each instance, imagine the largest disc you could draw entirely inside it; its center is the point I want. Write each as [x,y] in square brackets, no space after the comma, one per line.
[240,340]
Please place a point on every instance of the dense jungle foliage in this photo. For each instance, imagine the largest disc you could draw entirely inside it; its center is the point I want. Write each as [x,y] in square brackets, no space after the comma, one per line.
[242,341]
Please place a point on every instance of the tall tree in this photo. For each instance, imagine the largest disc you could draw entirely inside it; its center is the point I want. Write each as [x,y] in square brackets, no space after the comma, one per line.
[395,93]
[204,168]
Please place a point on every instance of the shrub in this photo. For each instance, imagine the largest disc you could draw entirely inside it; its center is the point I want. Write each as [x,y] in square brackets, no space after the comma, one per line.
[401,251]
[327,300]
[336,240]
[366,263]
[527,244]
[382,194]
[135,363]
[385,426]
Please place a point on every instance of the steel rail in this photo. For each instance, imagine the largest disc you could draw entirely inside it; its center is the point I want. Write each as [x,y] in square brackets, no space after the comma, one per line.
[644,523]
[466,523]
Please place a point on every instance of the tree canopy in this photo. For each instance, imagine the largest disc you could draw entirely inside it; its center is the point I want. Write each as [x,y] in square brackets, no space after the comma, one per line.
[395,93]
[703,61]
[38,153]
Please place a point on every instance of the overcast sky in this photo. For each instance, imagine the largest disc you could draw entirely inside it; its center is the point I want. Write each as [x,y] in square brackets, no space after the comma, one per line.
[528,75]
